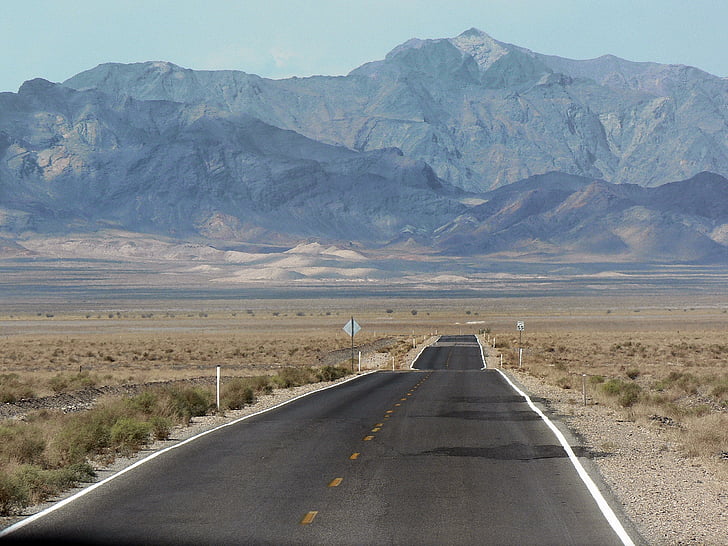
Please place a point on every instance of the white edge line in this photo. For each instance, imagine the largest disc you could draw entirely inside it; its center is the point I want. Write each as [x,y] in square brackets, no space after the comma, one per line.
[60,504]
[412,366]
[482,355]
[607,511]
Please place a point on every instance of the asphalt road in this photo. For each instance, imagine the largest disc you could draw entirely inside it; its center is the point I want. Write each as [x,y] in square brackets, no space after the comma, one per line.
[446,455]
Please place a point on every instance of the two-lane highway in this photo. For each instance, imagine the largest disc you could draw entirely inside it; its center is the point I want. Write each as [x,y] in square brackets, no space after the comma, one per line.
[445,455]
[451,353]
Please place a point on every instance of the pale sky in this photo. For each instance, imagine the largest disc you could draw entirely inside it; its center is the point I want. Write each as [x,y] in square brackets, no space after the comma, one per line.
[280,38]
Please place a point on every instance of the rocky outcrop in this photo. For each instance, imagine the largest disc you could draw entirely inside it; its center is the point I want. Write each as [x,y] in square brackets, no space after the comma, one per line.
[480,112]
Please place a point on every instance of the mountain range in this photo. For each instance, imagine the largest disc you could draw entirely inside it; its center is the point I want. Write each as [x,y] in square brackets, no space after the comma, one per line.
[464,146]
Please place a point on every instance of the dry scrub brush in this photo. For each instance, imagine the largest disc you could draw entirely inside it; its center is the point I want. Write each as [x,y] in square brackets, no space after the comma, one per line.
[46,365]
[51,451]
[676,381]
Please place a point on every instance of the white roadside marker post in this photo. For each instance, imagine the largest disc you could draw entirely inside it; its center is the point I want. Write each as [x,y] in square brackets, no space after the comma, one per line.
[217,397]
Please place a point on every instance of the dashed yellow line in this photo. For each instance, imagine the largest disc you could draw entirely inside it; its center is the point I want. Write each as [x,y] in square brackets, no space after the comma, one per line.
[309,517]
[336,482]
[376,429]
[367,438]
[354,456]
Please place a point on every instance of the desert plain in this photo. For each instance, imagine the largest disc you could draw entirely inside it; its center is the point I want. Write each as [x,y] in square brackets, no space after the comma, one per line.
[635,364]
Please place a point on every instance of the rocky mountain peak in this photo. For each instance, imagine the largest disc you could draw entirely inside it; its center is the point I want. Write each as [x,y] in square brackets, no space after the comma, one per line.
[36,85]
[42,94]
[481,47]
[439,61]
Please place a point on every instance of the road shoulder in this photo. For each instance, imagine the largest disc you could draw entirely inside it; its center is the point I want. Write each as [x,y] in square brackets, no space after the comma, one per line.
[669,498]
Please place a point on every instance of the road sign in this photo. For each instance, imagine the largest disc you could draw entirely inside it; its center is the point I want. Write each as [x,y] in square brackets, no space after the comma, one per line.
[352,327]
[520,326]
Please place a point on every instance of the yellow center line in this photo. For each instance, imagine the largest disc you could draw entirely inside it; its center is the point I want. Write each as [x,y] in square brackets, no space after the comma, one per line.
[308,518]
[397,405]
[354,456]
[389,411]
[336,482]
[376,429]
[367,438]
[403,399]
[379,425]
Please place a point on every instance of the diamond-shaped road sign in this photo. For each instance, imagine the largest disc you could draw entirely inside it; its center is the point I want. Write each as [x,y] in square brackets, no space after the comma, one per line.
[352,327]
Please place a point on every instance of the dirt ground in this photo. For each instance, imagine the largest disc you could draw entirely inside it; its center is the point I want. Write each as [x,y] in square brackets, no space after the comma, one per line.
[154,341]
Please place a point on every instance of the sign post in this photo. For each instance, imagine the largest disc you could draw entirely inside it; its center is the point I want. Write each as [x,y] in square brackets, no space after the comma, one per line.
[351,328]
[520,326]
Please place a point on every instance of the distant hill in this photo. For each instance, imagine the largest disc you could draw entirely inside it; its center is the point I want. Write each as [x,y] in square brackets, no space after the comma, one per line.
[480,112]
[84,161]
[454,147]
[565,215]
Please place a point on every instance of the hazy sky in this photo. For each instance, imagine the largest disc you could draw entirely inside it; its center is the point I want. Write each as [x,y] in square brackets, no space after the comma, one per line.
[280,38]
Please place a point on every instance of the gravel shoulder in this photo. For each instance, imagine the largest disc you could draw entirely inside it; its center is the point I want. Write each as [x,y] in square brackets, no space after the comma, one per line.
[670,498]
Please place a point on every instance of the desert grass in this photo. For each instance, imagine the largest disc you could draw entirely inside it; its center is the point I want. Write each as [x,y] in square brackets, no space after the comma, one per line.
[671,379]
[49,451]
[42,365]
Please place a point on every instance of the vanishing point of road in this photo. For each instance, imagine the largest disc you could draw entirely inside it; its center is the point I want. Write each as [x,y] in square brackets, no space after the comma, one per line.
[447,453]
